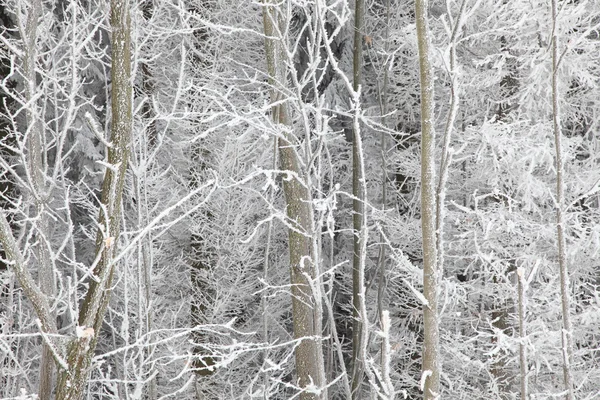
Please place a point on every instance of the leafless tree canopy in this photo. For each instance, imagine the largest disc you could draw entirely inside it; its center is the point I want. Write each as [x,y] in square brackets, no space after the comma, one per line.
[316,199]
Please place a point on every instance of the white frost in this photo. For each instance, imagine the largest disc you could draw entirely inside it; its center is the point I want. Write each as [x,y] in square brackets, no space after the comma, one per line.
[424,376]
[417,294]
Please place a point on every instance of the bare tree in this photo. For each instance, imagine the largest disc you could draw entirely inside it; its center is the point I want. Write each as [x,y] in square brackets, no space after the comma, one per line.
[430,380]
[306,303]
[360,323]
[39,190]
[75,368]
[567,330]
[241,316]
[80,351]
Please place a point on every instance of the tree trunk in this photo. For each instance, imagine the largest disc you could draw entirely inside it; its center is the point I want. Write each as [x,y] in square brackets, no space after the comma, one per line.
[431,364]
[36,167]
[567,331]
[521,287]
[306,304]
[80,351]
[358,216]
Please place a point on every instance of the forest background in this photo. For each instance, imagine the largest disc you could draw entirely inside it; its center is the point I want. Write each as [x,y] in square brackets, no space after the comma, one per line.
[212,199]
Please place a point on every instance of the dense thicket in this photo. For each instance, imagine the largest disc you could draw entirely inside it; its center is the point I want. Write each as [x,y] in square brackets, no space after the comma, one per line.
[182,213]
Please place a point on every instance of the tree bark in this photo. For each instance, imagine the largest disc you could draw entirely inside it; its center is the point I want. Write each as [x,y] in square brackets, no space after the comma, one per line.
[521,287]
[36,167]
[306,306]
[431,364]
[358,216]
[567,331]
[80,351]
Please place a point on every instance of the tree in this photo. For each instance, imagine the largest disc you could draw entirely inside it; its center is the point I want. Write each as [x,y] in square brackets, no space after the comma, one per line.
[39,189]
[40,167]
[306,302]
[565,295]
[431,362]
[361,324]
[75,368]
[239,175]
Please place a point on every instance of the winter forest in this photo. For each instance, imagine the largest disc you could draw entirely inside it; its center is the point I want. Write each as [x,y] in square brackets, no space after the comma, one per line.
[300,199]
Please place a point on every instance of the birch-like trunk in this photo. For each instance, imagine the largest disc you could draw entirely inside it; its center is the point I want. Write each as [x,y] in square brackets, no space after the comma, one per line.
[567,330]
[306,307]
[521,287]
[431,363]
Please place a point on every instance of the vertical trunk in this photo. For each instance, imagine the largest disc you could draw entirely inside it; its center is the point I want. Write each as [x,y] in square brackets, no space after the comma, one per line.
[384,315]
[306,306]
[446,158]
[36,169]
[500,320]
[358,216]
[431,373]
[509,84]
[383,96]
[7,186]
[567,331]
[522,285]
[34,137]
[80,351]
[148,86]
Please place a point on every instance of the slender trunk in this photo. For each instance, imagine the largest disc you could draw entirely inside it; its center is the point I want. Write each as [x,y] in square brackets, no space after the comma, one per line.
[431,364]
[34,135]
[522,286]
[383,96]
[80,351]
[36,170]
[148,87]
[306,304]
[7,192]
[446,158]
[567,331]
[384,315]
[358,206]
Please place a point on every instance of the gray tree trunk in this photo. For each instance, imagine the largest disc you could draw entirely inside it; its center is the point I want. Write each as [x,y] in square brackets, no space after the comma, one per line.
[80,351]
[358,217]
[431,363]
[521,287]
[567,331]
[36,169]
[306,307]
